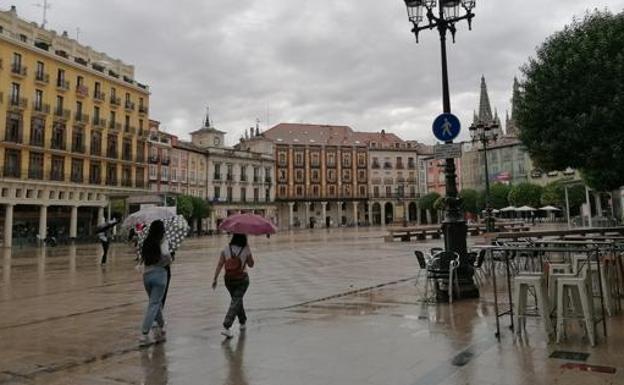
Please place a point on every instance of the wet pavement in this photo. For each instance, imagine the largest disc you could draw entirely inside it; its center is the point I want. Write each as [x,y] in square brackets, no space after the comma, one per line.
[324,307]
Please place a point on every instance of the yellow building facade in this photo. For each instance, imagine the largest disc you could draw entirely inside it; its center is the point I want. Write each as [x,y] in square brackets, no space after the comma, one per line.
[73,124]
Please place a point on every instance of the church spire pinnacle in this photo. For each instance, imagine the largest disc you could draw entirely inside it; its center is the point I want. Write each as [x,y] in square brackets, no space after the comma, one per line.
[207,120]
[485,109]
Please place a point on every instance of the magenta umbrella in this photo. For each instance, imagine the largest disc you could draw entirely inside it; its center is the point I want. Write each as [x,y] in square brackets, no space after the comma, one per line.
[250,224]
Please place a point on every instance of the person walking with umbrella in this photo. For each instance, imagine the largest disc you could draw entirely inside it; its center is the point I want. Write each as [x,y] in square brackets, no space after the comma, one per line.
[235,258]
[156,256]
[104,237]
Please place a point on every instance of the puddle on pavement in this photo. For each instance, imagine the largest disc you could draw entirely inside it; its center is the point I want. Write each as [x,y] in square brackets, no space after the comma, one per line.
[343,308]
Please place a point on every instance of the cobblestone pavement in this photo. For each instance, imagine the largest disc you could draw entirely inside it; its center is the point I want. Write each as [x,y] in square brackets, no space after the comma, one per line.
[325,307]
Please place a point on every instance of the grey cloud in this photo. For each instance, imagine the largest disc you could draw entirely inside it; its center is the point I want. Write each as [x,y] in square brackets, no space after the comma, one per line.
[344,62]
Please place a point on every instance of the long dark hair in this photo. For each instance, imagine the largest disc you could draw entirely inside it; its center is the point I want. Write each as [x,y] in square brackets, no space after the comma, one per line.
[239,240]
[150,252]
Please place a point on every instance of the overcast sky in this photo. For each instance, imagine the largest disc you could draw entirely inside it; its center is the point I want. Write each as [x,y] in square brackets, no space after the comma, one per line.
[352,62]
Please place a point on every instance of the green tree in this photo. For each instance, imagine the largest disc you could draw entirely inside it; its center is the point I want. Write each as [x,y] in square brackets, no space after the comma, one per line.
[201,210]
[498,195]
[427,201]
[525,194]
[438,205]
[554,194]
[471,199]
[184,206]
[570,107]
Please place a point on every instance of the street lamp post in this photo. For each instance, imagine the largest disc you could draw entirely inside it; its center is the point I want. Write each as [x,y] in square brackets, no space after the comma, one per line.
[485,133]
[421,15]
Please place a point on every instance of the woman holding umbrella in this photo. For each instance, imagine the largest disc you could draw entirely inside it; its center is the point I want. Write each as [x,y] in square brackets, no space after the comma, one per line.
[235,258]
[156,256]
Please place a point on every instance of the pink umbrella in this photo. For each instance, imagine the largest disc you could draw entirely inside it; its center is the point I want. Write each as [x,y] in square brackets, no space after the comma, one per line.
[247,224]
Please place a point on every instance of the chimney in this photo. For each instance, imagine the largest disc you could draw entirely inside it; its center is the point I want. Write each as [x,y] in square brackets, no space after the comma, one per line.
[13,10]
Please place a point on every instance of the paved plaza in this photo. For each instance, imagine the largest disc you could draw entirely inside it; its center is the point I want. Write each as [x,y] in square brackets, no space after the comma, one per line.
[332,306]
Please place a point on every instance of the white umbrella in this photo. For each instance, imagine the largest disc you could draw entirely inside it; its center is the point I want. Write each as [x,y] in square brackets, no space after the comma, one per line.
[508,208]
[549,208]
[148,215]
[494,211]
[176,229]
[525,208]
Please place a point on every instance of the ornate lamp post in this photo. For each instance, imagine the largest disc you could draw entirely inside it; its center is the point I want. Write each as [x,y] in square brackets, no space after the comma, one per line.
[421,15]
[485,133]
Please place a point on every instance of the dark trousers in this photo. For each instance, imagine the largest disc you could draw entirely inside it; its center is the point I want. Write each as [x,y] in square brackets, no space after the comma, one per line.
[168,269]
[237,289]
[105,245]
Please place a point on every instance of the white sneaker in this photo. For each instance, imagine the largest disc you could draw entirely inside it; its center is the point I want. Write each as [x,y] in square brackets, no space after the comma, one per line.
[227,333]
[145,340]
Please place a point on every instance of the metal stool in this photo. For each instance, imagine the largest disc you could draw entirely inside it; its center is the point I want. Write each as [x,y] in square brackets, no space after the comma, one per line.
[575,301]
[522,285]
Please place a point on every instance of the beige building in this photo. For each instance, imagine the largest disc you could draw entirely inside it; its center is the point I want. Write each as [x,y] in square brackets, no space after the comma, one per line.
[73,128]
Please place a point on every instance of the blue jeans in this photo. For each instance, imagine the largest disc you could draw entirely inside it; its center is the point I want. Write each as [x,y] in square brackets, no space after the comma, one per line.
[155,282]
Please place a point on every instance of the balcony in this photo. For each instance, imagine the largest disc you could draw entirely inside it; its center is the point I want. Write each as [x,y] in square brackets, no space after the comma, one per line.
[41,108]
[98,122]
[42,78]
[18,103]
[61,114]
[19,70]
[153,158]
[143,110]
[268,180]
[229,177]
[387,166]
[13,136]
[129,106]
[99,96]
[62,85]
[129,130]
[243,178]
[375,165]
[115,101]
[217,176]
[165,160]
[114,126]
[81,119]
[82,91]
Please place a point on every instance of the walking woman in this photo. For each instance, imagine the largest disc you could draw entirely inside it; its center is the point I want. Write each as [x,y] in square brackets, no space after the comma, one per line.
[156,257]
[235,258]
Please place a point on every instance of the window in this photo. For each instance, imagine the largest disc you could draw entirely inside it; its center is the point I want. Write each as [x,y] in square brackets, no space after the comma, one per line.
[316,176]
[59,105]
[361,176]
[299,176]
[174,174]
[12,163]
[256,196]
[217,192]
[15,94]
[282,175]
[126,150]
[346,175]
[315,159]
[139,180]
[38,104]
[111,174]
[58,136]
[362,190]
[388,191]
[331,175]
[113,119]
[217,141]
[217,171]
[229,172]
[111,146]
[299,191]
[331,159]
[126,176]
[78,140]
[282,159]
[376,191]
[282,191]
[243,195]
[60,78]
[243,173]
[17,62]
[229,194]
[96,143]
[164,173]
[77,170]
[57,172]
[113,93]
[361,159]
[346,159]
[79,81]
[95,173]
[299,159]
[97,91]
[79,110]
[35,166]
[96,114]
[375,163]
[14,128]
[37,129]
[127,123]
[153,172]
[399,163]
[267,174]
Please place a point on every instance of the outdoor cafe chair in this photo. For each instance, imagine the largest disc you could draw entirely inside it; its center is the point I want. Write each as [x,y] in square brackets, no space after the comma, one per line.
[478,266]
[575,301]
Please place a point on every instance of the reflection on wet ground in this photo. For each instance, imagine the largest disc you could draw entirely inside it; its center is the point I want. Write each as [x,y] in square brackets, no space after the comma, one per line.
[324,308]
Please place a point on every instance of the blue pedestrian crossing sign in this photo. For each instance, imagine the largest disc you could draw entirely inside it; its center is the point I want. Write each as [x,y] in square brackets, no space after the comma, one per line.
[446,127]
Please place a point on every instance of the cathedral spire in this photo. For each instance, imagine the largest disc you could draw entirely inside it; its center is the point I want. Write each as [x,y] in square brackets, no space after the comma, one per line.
[485,109]
[207,121]
[512,127]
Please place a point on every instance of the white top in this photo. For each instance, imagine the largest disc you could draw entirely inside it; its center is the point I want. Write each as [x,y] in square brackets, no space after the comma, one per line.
[236,250]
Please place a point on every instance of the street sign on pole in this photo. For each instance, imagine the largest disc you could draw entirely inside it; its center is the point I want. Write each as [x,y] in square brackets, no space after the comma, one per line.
[447,150]
[446,127]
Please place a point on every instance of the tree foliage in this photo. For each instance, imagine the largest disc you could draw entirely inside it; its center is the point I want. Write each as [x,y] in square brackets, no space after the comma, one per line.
[498,195]
[184,206]
[525,194]
[571,105]
[201,208]
[428,200]
[471,200]
[438,205]
[554,194]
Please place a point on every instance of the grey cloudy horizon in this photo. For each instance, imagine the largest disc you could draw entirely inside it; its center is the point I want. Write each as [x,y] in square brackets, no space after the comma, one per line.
[340,62]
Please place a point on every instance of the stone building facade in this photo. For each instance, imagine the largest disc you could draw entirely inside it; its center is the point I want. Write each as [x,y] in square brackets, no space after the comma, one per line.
[73,125]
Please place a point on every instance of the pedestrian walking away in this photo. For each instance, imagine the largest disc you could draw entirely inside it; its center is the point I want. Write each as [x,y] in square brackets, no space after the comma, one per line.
[234,259]
[156,257]
[104,238]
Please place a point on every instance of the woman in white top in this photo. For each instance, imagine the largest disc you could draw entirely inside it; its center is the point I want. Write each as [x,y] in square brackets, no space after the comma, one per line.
[235,257]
